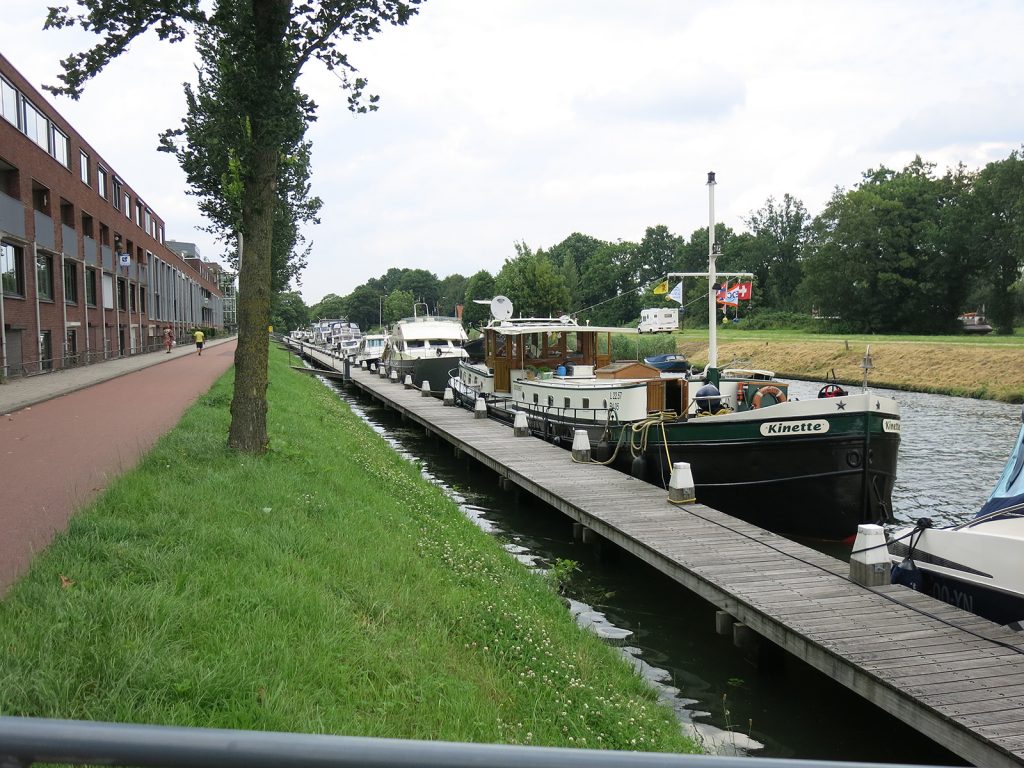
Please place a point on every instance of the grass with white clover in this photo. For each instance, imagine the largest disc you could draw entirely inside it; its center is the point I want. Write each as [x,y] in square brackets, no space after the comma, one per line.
[322,588]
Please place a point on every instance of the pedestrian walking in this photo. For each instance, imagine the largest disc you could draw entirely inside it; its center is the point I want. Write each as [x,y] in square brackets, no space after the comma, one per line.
[199,337]
[168,339]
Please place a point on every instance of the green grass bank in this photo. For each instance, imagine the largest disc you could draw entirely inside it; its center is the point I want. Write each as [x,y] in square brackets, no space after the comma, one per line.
[323,588]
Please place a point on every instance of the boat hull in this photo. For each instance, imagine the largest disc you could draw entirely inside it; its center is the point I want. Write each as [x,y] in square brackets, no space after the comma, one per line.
[975,566]
[436,370]
[820,487]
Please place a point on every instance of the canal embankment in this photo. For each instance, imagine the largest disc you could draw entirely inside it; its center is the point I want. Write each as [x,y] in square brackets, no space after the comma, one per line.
[325,587]
[989,370]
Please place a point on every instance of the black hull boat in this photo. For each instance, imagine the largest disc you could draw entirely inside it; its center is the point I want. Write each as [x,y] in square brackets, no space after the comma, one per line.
[979,565]
[815,468]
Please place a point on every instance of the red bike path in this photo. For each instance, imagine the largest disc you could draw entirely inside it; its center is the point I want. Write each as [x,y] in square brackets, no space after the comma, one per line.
[59,454]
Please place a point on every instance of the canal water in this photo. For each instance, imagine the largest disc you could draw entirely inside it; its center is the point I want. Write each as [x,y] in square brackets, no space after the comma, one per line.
[951,454]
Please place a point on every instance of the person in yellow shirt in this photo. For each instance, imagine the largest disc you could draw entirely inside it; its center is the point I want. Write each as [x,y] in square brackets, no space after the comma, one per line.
[199,337]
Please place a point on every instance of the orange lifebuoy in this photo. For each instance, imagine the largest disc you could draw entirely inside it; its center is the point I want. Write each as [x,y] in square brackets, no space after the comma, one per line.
[778,394]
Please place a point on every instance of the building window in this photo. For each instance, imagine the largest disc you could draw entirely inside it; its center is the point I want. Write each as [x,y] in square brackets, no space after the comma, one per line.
[12,270]
[59,148]
[90,287]
[101,182]
[132,305]
[70,282]
[127,205]
[142,299]
[8,102]
[44,276]
[148,226]
[83,161]
[37,127]
[138,213]
[122,293]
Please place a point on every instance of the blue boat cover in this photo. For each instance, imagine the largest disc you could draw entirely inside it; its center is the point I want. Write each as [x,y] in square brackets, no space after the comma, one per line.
[1009,491]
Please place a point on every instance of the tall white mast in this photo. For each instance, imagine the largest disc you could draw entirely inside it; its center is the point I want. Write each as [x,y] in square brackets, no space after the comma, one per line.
[712,275]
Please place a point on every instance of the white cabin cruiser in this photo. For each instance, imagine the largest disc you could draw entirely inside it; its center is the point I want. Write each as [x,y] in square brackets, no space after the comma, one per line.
[427,347]
[371,347]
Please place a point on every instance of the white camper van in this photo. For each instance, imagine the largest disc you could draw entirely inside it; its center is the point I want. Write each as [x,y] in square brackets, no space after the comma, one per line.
[658,320]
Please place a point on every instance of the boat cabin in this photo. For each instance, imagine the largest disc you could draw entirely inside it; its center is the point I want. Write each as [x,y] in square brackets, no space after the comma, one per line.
[534,347]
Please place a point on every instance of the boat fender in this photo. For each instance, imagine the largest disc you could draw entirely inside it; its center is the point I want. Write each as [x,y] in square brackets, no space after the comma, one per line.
[778,394]
[639,467]
[908,574]
[708,398]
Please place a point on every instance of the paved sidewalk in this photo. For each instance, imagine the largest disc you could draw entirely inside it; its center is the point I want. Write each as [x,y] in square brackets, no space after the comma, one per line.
[65,436]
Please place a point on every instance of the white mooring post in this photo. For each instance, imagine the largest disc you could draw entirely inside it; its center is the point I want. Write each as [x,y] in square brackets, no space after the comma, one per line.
[394,376]
[408,381]
[520,427]
[580,446]
[869,562]
[382,371]
[680,485]
[425,389]
[449,396]
[480,408]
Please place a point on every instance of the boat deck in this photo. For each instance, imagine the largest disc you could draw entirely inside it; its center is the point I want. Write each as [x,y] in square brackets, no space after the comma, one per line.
[955,677]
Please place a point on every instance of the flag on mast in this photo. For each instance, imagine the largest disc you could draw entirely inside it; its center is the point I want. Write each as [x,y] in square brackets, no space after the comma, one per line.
[661,287]
[676,294]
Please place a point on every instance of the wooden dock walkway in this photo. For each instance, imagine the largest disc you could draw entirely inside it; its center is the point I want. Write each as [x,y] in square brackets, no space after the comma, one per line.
[955,677]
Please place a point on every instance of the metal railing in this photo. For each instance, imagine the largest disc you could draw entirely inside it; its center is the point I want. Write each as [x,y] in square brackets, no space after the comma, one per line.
[25,741]
[67,360]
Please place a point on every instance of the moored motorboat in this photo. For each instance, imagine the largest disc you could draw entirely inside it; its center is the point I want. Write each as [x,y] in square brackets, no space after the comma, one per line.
[371,347]
[976,565]
[670,362]
[426,347]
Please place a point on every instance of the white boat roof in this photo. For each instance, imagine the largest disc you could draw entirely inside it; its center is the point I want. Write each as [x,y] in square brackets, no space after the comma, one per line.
[526,325]
[416,328]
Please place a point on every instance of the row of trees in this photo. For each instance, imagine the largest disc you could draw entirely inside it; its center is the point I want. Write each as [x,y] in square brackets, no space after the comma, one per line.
[904,251]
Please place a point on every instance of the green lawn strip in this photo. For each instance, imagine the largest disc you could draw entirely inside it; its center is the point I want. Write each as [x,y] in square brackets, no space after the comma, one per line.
[325,588]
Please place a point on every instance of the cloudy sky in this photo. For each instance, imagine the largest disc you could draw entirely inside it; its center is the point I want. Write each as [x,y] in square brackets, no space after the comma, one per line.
[528,120]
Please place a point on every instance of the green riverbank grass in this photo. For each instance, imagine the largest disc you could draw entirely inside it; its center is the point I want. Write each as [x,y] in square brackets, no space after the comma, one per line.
[323,588]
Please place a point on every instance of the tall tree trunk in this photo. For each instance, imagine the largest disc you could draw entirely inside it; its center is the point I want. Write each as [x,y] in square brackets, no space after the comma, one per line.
[267,58]
[248,431]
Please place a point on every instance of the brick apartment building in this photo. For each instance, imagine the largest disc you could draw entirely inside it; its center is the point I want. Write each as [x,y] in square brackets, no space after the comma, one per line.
[86,272]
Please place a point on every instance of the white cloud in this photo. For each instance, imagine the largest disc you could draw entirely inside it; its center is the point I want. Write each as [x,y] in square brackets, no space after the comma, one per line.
[530,119]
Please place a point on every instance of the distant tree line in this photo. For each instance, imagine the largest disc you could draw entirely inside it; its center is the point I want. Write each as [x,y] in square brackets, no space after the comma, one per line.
[903,251]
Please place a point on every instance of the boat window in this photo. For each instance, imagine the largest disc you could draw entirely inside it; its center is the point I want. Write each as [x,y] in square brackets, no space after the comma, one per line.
[567,402]
[586,402]
[551,400]
[535,398]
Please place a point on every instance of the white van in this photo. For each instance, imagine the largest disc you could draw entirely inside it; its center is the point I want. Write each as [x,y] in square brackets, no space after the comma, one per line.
[658,320]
